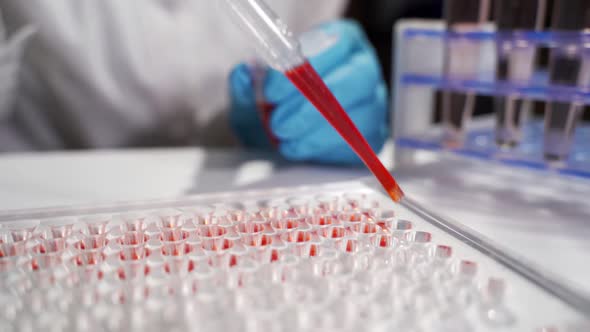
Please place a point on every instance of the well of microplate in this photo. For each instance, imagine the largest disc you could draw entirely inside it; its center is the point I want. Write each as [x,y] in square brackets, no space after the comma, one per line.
[336,257]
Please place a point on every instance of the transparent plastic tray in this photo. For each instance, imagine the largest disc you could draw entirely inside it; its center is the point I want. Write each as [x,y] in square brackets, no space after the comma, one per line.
[338,257]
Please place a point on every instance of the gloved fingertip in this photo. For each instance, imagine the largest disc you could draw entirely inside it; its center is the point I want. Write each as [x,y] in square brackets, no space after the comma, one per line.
[288,121]
[290,152]
[240,77]
[277,87]
[241,89]
[285,129]
[277,119]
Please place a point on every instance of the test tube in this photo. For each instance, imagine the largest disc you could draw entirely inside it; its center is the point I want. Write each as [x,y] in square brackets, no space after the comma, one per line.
[516,59]
[461,62]
[567,67]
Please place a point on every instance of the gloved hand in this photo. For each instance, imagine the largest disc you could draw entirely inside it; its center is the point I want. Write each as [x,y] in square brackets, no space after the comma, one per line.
[351,71]
[245,116]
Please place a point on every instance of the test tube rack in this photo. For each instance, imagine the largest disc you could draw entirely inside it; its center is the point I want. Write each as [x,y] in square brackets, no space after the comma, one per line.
[420,73]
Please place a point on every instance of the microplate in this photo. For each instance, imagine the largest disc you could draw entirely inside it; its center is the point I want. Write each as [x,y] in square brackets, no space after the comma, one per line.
[335,257]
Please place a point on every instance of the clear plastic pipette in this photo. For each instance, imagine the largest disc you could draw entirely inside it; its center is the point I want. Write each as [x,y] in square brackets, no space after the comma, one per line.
[277,46]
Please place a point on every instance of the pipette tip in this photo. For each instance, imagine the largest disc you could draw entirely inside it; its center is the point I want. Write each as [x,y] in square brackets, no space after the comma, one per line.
[396,194]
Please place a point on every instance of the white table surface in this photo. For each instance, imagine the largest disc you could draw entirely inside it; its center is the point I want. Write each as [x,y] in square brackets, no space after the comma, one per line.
[525,218]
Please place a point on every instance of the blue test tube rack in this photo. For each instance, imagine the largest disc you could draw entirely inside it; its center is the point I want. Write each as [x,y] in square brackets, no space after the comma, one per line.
[419,73]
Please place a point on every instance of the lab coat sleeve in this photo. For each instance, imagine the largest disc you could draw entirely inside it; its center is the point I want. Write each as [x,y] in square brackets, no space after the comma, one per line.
[114,73]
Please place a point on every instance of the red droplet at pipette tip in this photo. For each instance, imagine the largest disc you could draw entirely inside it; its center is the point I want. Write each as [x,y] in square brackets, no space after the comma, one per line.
[311,85]
[396,193]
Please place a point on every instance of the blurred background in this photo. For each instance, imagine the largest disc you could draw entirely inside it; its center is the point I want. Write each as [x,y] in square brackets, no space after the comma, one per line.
[379,16]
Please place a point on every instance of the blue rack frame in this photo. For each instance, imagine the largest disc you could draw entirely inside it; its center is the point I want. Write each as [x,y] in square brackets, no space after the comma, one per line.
[481,143]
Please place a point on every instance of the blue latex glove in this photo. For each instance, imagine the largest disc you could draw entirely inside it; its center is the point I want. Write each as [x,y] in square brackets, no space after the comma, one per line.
[244,116]
[351,71]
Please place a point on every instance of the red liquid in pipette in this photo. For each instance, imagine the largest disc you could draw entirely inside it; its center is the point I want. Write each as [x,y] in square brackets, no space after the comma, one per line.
[307,80]
[265,109]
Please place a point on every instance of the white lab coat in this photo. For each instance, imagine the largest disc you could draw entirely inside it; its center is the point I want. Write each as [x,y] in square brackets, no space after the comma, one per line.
[115,73]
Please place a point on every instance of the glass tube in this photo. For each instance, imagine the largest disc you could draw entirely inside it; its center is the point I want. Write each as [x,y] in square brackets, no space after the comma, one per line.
[461,62]
[515,63]
[567,69]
